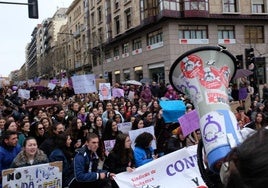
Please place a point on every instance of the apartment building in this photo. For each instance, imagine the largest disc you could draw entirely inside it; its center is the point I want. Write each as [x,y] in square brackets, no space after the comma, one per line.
[130,39]
[142,39]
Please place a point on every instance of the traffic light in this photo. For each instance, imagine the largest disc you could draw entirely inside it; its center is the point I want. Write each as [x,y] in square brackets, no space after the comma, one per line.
[239,61]
[250,57]
[33,9]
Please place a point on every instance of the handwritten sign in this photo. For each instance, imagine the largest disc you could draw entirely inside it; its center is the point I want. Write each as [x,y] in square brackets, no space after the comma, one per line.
[124,127]
[43,175]
[84,83]
[109,145]
[24,93]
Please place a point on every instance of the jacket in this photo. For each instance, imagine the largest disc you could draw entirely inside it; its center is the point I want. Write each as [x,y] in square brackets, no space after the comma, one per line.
[21,159]
[114,164]
[142,156]
[67,166]
[7,156]
[86,166]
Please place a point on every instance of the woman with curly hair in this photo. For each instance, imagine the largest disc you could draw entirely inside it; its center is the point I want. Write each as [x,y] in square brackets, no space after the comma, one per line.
[143,151]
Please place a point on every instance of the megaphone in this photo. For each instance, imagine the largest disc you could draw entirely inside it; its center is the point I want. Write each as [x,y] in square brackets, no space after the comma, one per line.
[203,74]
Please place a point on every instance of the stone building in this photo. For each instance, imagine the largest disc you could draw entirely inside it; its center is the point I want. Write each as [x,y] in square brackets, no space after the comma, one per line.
[127,39]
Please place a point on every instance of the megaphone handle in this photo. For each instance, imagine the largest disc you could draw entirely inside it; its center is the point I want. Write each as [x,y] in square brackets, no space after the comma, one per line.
[211,179]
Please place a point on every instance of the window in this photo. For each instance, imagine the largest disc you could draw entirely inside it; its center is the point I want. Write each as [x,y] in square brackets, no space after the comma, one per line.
[155,37]
[107,54]
[149,8]
[100,35]
[117,25]
[125,48]
[258,6]
[99,14]
[93,24]
[254,34]
[128,18]
[116,51]
[136,44]
[226,32]
[116,4]
[229,5]
[196,5]
[95,59]
[193,32]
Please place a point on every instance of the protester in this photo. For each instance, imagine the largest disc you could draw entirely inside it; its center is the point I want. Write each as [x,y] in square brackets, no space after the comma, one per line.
[137,124]
[148,119]
[48,144]
[111,130]
[121,157]
[38,132]
[86,169]
[143,151]
[246,166]
[47,123]
[9,149]
[10,125]
[62,152]
[109,107]
[259,122]
[2,124]
[24,131]
[241,116]
[146,95]
[30,154]
[171,94]
[176,141]
[77,133]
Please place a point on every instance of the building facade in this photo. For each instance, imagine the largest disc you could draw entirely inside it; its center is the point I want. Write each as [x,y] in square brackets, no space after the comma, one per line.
[127,39]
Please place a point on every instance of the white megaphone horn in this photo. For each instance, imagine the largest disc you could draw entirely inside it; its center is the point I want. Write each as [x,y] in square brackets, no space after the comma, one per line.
[204,74]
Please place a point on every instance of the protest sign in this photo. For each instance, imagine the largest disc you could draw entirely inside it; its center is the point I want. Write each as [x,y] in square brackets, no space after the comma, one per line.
[177,169]
[134,133]
[43,175]
[51,86]
[189,122]
[84,83]
[64,82]
[105,91]
[124,127]
[24,93]
[109,145]
[117,92]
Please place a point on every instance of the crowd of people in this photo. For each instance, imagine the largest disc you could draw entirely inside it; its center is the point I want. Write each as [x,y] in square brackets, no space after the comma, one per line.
[74,130]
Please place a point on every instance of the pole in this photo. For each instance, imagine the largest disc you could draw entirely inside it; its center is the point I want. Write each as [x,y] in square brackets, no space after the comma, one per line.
[13,3]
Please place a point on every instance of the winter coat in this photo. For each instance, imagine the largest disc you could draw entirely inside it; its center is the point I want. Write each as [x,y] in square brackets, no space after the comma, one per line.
[7,155]
[86,166]
[67,166]
[114,164]
[142,156]
[22,160]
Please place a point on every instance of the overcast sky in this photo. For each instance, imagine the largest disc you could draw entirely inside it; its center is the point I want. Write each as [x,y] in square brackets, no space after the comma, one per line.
[16,29]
